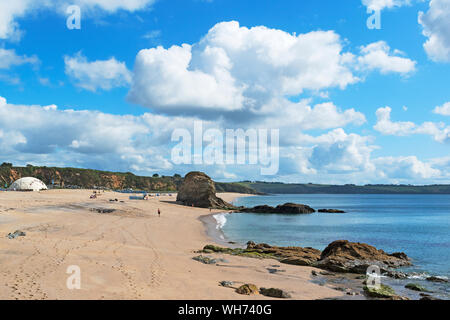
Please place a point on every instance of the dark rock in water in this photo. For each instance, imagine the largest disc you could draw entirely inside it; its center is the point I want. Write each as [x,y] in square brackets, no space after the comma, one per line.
[427,297]
[227,284]
[16,234]
[199,190]
[400,255]
[274,293]
[416,287]
[396,274]
[345,256]
[247,289]
[205,260]
[437,279]
[287,208]
[330,211]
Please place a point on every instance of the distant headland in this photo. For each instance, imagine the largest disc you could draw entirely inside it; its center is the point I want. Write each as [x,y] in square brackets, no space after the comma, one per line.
[76,178]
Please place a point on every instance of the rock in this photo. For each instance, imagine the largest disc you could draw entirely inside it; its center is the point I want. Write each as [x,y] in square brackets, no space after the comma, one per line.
[287,208]
[289,255]
[429,298]
[227,284]
[205,260]
[16,234]
[416,287]
[314,273]
[247,289]
[199,190]
[383,291]
[437,279]
[330,211]
[345,256]
[396,274]
[274,293]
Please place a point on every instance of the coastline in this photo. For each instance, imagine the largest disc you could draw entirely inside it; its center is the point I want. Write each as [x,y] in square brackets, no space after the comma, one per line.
[129,253]
[211,224]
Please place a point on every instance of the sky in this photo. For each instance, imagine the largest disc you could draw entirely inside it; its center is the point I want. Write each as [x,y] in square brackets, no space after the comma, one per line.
[358,90]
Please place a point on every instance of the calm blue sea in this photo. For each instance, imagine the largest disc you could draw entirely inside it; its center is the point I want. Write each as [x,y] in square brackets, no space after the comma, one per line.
[418,225]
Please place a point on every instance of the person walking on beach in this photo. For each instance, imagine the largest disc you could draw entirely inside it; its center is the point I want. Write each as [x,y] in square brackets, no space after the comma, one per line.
[159,213]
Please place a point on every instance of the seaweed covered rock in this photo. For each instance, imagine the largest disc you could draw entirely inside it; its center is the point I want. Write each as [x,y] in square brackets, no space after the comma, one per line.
[198,190]
[287,208]
[355,257]
[416,287]
[383,291]
[247,289]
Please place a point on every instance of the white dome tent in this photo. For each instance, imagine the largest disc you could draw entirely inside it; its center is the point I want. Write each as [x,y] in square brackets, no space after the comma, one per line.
[28,184]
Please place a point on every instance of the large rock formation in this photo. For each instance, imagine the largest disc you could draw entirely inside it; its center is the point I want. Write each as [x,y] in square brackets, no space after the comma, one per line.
[355,257]
[287,208]
[198,190]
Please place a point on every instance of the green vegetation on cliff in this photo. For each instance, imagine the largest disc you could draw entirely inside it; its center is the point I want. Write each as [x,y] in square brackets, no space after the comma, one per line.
[285,188]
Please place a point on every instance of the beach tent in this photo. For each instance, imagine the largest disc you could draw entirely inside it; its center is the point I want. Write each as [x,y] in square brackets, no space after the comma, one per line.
[28,184]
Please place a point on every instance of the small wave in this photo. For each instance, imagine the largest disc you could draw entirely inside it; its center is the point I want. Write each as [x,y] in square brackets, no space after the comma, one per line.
[221,220]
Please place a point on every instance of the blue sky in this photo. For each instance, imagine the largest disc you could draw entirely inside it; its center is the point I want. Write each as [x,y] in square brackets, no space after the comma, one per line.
[353,105]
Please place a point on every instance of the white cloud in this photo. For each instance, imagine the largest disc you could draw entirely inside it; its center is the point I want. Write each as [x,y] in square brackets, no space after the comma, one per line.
[385,4]
[234,68]
[405,168]
[99,74]
[443,110]
[9,58]
[436,27]
[11,10]
[245,71]
[378,56]
[439,131]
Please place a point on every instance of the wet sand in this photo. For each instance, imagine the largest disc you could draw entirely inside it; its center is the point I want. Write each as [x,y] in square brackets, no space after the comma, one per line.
[129,253]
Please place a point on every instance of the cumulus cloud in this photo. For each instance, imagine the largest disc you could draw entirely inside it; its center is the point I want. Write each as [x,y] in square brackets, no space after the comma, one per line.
[439,131]
[384,4]
[10,11]
[9,58]
[443,110]
[99,74]
[234,68]
[378,56]
[436,27]
[86,138]
[246,71]
[405,168]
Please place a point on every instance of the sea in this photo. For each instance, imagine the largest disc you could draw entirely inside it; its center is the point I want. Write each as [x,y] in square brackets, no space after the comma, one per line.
[418,225]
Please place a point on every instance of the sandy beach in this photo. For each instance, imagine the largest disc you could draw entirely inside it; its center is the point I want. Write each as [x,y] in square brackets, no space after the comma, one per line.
[130,253]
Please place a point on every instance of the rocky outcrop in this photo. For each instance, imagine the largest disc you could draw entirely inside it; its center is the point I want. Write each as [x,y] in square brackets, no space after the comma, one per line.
[339,256]
[330,211]
[354,257]
[198,190]
[287,208]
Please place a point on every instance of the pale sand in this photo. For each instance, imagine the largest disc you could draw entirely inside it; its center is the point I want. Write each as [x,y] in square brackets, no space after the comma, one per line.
[130,254]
